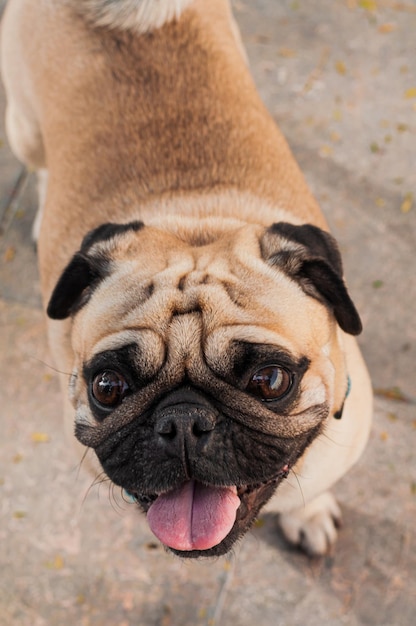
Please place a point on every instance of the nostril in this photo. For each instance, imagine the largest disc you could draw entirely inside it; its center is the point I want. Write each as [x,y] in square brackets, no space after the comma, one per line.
[176,424]
[202,425]
[197,431]
[166,427]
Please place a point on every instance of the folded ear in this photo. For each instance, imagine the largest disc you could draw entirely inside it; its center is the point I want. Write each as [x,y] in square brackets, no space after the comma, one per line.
[311,257]
[87,268]
[75,286]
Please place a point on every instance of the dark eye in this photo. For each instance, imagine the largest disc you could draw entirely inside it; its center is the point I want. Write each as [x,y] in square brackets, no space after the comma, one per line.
[270,383]
[109,388]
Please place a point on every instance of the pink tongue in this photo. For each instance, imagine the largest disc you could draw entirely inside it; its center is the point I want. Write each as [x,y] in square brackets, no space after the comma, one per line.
[194,517]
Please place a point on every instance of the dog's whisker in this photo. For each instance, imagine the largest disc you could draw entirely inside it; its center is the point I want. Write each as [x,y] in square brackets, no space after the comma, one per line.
[49,366]
[97,482]
[114,499]
[82,461]
[292,471]
[84,456]
[333,441]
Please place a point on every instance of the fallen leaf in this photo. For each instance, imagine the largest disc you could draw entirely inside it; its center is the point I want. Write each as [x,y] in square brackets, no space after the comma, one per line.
[19,514]
[317,71]
[386,28]
[377,284]
[17,458]
[227,566]
[380,202]
[56,563]
[392,417]
[410,93]
[287,53]
[326,151]
[413,489]
[392,393]
[407,203]
[340,67]
[368,5]
[384,436]
[40,437]
[401,128]
[9,254]
[374,147]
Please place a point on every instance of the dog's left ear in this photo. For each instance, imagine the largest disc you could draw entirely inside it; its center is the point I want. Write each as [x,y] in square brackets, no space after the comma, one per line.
[311,257]
[87,268]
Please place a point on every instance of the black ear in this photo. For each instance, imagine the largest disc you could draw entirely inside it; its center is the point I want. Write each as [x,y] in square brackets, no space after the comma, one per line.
[75,286]
[85,270]
[311,257]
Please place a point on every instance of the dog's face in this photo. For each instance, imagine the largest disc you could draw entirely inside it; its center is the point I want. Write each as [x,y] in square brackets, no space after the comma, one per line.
[204,365]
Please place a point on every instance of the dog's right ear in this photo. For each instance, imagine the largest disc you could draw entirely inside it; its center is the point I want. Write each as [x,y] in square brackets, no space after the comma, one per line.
[75,286]
[86,270]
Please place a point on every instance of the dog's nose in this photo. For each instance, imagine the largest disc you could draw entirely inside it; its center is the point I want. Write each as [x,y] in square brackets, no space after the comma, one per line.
[184,423]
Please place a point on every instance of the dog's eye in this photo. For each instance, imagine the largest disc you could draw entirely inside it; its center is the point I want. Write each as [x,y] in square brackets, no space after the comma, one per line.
[109,388]
[270,383]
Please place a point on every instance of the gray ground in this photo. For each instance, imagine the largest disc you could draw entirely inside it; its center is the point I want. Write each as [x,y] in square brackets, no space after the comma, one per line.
[340,78]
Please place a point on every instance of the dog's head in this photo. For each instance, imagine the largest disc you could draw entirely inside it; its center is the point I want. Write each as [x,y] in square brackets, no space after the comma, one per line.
[205,363]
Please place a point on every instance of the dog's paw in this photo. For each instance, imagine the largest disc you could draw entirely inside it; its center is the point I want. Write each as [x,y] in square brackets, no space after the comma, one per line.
[314,527]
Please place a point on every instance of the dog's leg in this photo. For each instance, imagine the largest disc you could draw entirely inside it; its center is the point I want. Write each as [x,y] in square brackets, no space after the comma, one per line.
[24,136]
[22,125]
[313,527]
[26,142]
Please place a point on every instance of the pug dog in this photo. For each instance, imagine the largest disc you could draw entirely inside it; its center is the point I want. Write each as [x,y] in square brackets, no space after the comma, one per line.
[192,287]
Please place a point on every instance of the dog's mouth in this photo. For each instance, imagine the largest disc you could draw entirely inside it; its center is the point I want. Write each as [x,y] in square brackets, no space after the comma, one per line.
[205,520]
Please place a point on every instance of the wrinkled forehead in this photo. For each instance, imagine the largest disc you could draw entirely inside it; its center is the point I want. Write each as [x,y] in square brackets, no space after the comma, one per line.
[186,295]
